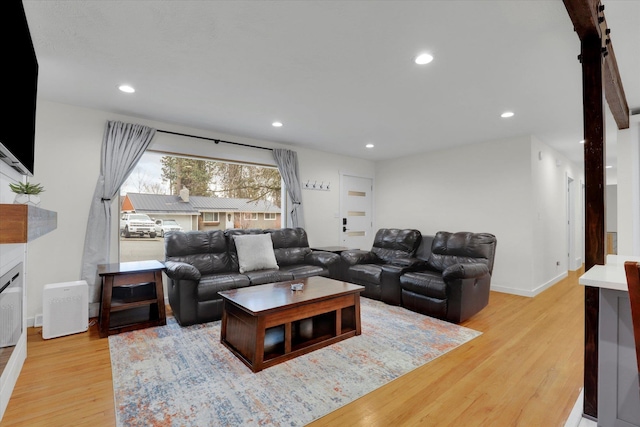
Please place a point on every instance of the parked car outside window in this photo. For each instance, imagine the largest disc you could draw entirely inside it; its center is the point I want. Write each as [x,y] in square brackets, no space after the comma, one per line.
[164,225]
[137,224]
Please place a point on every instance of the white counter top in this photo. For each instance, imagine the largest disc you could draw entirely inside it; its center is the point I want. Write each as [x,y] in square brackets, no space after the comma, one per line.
[609,276]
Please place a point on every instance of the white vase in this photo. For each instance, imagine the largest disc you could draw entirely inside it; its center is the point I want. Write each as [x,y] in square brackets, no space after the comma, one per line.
[27,199]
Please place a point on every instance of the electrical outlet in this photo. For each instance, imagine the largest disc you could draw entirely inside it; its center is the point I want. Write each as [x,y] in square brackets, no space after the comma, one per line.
[37,321]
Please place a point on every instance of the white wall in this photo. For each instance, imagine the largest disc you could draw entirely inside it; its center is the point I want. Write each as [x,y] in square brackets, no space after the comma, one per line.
[611,209]
[321,208]
[67,164]
[550,172]
[494,187]
[480,188]
[489,187]
[628,215]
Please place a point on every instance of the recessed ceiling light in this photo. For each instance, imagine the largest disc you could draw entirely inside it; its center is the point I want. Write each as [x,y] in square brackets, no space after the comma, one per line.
[507,114]
[609,166]
[582,142]
[276,124]
[369,146]
[423,58]
[126,89]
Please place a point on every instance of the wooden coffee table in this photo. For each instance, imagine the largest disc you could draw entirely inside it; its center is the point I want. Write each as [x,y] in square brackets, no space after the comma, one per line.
[269,324]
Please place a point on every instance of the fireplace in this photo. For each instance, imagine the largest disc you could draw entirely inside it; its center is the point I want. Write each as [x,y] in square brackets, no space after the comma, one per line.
[11,322]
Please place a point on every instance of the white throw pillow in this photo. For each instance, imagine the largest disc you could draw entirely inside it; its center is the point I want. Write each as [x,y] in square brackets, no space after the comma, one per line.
[255,252]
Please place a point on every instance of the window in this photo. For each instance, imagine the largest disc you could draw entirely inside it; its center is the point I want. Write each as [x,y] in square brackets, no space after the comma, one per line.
[200,193]
[210,217]
[270,216]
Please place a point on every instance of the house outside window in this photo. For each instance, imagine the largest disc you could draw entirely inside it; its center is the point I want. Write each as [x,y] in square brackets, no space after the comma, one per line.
[270,216]
[210,217]
[168,188]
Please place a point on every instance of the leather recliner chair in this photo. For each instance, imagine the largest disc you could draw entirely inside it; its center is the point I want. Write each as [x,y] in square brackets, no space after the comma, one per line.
[455,281]
[379,269]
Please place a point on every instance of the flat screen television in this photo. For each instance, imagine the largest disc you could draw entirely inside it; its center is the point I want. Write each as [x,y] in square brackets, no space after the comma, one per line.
[20,72]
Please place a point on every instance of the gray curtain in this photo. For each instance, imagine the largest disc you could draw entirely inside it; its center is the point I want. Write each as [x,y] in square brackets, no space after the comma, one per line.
[287,162]
[122,146]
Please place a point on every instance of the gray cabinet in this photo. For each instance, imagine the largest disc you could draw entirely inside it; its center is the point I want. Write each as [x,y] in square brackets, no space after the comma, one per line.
[618,391]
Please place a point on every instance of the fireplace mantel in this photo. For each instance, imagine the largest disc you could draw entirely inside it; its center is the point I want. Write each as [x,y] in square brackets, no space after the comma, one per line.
[24,223]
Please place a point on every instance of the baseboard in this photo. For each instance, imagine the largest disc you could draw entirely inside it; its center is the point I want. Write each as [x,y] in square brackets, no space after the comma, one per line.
[530,293]
[577,263]
[94,311]
[576,413]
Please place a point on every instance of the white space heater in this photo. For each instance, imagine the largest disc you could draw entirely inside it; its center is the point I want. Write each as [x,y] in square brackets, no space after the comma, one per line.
[65,309]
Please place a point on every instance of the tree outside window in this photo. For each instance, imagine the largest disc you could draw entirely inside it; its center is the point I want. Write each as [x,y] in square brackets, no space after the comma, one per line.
[220,179]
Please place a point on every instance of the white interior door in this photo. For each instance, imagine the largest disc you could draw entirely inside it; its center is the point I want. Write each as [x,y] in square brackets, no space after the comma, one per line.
[356,205]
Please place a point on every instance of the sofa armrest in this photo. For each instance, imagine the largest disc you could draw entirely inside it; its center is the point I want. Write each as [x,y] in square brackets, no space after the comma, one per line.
[465,271]
[181,271]
[322,258]
[358,256]
[467,295]
[391,292]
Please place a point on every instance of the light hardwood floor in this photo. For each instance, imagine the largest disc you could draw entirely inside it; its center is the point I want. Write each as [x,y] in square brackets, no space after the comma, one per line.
[524,370]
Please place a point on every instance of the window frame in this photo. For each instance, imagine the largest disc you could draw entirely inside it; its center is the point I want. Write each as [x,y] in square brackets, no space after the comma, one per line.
[170,145]
[214,215]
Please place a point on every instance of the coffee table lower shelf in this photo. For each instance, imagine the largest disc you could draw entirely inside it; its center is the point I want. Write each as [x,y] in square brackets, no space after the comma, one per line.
[264,340]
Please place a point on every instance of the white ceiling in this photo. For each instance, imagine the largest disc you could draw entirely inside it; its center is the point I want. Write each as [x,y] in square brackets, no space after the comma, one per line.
[338,74]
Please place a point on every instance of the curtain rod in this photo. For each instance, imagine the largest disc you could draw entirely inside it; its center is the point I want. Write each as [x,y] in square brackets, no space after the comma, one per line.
[217,141]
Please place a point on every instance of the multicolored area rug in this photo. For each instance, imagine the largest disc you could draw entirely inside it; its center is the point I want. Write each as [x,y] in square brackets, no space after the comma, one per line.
[175,376]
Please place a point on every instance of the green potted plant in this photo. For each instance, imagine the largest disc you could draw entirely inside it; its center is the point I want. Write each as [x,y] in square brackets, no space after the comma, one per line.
[27,193]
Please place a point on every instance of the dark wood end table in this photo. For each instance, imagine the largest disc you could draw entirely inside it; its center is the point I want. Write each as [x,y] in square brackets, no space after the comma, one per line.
[142,308]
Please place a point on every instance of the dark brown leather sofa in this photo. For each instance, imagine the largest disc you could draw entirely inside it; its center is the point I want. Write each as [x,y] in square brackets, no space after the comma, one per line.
[199,264]
[447,276]
[379,270]
[455,278]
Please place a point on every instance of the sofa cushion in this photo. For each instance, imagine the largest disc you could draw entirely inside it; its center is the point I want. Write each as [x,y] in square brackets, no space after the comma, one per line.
[448,249]
[425,283]
[205,250]
[302,271]
[390,243]
[290,245]
[260,277]
[255,252]
[369,273]
[211,284]
[230,234]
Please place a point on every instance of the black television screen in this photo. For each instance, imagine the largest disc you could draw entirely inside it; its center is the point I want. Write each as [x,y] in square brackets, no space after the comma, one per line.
[20,70]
